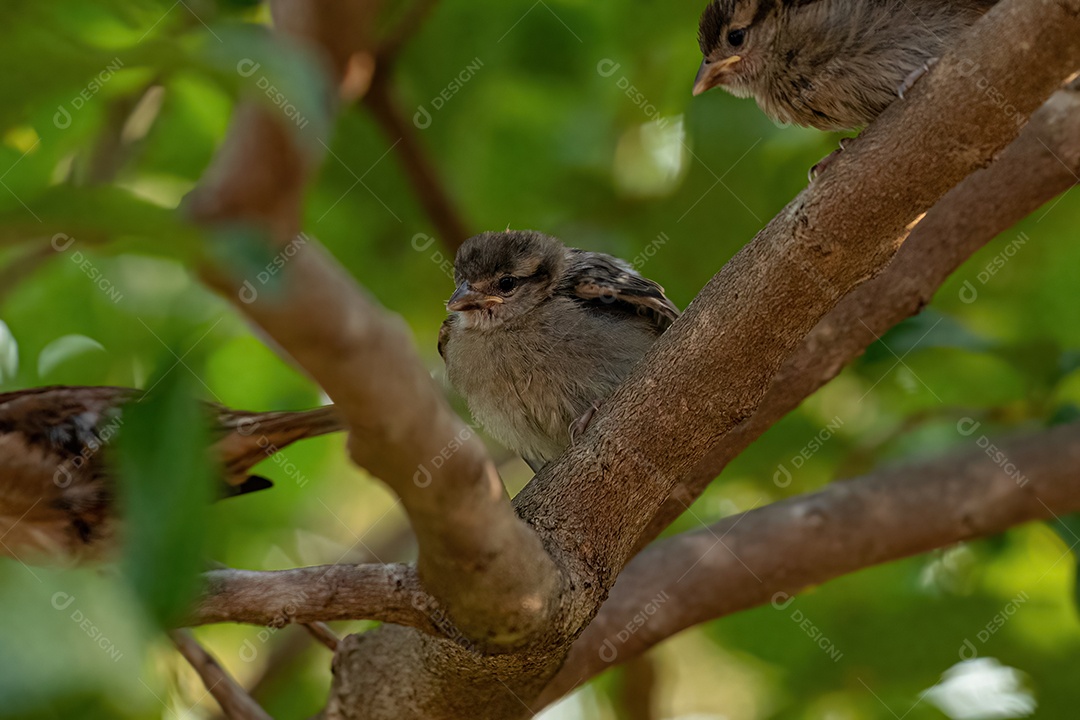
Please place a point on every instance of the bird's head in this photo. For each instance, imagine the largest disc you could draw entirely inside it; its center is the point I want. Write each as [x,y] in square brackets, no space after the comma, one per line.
[503,275]
[736,39]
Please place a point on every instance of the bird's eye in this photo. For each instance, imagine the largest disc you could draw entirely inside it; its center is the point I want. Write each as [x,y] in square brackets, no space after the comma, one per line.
[736,38]
[507,284]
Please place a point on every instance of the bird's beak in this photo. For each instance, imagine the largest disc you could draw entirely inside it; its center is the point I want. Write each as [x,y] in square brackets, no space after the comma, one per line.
[466,298]
[709,75]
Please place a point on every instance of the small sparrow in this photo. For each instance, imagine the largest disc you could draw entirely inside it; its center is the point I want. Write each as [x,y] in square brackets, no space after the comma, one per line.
[828,64]
[539,334]
[57,497]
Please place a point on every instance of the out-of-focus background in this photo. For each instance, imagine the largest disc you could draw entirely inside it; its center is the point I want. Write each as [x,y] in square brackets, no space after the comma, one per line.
[570,117]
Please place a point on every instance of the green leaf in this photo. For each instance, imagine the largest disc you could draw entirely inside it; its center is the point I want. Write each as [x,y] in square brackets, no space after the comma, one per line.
[69,215]
[1063,415]
[286,78]
[165,474]
[65,348]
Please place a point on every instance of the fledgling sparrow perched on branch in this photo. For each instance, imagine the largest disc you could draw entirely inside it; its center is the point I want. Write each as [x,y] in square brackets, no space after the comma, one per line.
[828,64]
[539,333]
[57,497]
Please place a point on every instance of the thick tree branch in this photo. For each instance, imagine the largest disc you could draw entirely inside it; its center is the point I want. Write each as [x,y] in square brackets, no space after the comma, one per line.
[710,372]
[767,554]
[1042,163]
[291,649]
[487,569]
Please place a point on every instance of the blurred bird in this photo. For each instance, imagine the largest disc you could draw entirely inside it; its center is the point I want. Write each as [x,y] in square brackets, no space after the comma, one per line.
[539,334]
[828,64]
[57,496]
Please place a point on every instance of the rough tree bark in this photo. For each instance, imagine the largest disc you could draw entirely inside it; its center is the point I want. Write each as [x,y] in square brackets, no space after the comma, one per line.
[511,587]
[1042,163]
[809,539]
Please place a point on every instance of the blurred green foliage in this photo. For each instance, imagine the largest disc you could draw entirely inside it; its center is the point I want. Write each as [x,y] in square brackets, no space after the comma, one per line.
[570,117]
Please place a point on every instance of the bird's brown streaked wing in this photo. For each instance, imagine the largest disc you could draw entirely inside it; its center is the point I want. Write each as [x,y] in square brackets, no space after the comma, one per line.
[607,283]
[61,418]
[54,494]
[57,496]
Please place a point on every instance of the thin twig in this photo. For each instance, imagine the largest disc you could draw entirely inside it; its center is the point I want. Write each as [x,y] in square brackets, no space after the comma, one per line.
[233,699]
[636,696]
[322,632]
[406,27]
[420,171]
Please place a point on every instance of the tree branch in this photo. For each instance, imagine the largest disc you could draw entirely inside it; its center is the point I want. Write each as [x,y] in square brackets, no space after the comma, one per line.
[421,172]
[406,27]
[709,373]
[235,703]
[1042,163]
[769,553]
[419,169]
[322,632]
[711,370]
[487,569]
[390,593]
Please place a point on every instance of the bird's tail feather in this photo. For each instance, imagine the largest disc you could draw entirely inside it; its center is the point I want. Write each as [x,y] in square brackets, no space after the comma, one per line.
[252,483]
[253,437]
